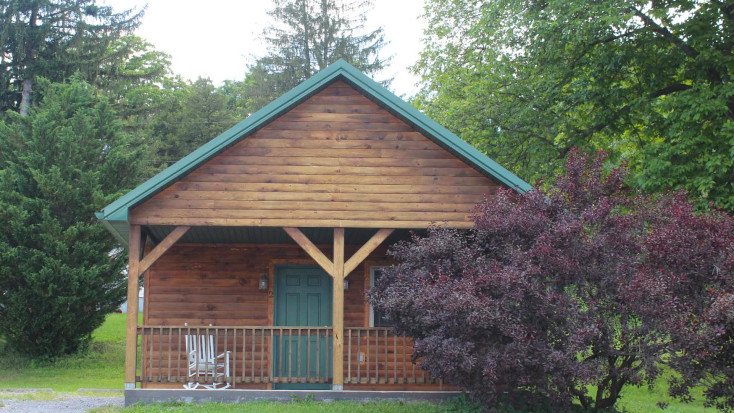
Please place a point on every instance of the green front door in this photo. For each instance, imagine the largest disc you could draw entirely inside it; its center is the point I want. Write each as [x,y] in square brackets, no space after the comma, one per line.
[303,299]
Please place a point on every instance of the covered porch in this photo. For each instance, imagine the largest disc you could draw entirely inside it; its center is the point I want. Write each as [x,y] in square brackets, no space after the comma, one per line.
[285,307]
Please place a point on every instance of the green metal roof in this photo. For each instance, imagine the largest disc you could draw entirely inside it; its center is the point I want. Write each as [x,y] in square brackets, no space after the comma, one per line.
[115,215]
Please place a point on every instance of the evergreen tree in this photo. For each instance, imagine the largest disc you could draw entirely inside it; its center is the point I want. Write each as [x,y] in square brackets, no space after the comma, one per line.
[136,78]
[55,39]
[307,36]
[61,271]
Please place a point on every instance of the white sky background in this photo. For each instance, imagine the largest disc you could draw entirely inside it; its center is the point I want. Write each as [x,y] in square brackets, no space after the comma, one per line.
[218,38]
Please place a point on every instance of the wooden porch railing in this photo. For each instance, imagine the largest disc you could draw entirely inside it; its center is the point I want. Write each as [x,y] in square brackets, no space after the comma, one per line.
[278,355]
[377,356]
[256,354]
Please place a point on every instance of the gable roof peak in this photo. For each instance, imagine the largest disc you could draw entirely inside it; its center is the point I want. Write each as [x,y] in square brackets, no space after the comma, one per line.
[117,211]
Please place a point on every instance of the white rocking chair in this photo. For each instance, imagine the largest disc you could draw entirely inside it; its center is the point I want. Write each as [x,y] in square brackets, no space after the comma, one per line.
[203,362]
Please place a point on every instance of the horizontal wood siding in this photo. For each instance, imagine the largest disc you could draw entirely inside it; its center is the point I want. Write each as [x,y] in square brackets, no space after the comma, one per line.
[217,284]
[336,160]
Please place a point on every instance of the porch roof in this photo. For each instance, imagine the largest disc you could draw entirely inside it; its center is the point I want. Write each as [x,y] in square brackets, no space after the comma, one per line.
[115,215]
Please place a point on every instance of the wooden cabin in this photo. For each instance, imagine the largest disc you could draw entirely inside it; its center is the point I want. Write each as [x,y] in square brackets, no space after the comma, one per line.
[265,240]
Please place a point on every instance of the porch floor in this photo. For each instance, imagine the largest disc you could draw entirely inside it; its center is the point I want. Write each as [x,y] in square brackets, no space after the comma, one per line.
[242,395]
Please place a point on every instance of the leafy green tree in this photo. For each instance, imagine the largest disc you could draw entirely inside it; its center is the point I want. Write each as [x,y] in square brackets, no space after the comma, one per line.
[191,116]
[61,272]
[55,39]
[236,100]
[647,81]
[307,36]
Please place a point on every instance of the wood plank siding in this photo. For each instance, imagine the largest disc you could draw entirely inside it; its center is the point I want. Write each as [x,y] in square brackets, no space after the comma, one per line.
[335,160]
[217,285]
[201,284]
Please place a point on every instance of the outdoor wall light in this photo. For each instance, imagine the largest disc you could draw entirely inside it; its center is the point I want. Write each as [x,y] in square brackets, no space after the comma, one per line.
[263,284]
[346,284]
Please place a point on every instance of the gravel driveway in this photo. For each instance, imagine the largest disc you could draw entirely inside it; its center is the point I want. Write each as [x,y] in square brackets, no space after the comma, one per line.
[61,403]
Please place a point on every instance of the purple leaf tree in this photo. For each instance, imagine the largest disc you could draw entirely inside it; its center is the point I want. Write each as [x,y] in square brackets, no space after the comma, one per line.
[569,294]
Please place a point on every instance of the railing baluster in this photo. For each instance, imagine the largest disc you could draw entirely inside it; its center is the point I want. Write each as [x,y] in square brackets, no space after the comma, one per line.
[359,356]
[367,355]
[140,345]
[168,368]
[228,379]
[150,354]
[423,376]
[318,355]
[206,354]
[412,374]
[263,351]
[405,360]
[349,355]
[387,362]
[272,355]
[234,357]
[329,366]
[214,354]
[244,355]
[281,360]
[292,370]
[160,354]
[178,356]
[195,349]
[298,359]
[308,355]
[395,358]
[377,356]
[290,355]
[252,363]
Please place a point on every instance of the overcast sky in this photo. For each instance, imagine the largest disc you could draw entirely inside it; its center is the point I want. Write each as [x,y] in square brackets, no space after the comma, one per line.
[217,38]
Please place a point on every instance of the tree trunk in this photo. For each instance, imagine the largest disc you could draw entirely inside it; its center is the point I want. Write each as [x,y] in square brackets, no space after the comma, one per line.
[25,97]
[30,51]
[305,15]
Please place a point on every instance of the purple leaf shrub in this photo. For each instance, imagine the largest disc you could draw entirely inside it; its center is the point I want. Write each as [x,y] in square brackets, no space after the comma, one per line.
[586,284]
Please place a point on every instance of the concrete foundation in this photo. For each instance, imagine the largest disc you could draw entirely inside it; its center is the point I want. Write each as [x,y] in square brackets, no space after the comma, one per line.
[240,396]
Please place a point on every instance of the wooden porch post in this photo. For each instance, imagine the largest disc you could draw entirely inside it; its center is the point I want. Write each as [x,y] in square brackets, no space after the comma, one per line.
[338,270]
[338,311]
[137,266]
[131,335]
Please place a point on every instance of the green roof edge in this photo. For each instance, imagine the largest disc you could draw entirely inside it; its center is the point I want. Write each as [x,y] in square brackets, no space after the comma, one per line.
[118,210]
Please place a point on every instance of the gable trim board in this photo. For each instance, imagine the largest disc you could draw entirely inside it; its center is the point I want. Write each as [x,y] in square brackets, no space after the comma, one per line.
[115,215]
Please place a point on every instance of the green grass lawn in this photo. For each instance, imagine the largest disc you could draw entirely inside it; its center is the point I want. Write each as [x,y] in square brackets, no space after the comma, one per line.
[103,368]
[642,399]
